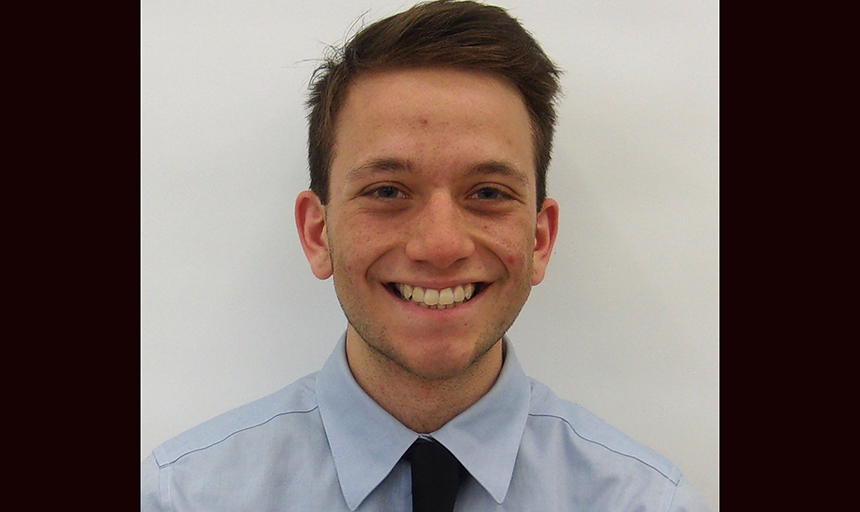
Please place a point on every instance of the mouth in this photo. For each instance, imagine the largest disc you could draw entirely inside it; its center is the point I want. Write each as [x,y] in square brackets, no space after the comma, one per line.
[446,298]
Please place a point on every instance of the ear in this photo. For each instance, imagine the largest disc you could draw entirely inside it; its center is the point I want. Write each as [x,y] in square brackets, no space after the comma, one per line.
[310,221]
[547,230]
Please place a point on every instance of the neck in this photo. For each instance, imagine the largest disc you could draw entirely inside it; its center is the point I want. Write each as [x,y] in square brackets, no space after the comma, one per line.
[423,404]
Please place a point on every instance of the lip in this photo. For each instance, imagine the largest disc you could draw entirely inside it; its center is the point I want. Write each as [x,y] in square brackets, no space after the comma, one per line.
[436,285]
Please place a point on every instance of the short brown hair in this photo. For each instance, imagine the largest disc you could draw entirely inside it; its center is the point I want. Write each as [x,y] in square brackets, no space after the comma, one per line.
[461,34]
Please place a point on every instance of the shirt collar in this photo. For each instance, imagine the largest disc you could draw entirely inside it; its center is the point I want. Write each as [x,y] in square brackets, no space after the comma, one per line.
[485,438]
[366,442]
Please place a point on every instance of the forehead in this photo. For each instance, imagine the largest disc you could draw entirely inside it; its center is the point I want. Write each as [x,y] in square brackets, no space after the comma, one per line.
[429,88]
[462,117]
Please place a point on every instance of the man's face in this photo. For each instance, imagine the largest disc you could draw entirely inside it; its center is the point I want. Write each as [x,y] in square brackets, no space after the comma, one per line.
[432,189]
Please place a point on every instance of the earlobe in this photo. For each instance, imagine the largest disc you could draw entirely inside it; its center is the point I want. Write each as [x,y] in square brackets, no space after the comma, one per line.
[311,224]
[545,235]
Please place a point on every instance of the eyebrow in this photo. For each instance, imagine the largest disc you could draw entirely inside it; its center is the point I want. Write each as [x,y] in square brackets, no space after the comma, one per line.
[490,167]
[499,167]
[377,165]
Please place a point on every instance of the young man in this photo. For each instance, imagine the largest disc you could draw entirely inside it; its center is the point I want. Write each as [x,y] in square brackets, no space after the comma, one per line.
[430,138]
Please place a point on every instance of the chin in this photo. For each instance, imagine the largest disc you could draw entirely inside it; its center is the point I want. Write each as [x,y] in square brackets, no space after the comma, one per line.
[443,363]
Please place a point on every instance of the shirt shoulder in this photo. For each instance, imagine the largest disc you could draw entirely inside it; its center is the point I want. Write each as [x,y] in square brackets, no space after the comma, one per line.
[267,453]
[296,399]
[586,464]
[593,431]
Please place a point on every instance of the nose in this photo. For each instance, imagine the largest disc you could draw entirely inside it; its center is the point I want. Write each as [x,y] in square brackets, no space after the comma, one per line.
[440,234]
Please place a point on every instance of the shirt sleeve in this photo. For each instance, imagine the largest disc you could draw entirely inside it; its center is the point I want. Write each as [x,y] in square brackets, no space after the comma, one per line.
[686,499]
[150,500]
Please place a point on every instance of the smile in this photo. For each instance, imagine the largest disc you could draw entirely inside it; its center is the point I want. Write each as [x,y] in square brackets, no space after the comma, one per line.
[436,299]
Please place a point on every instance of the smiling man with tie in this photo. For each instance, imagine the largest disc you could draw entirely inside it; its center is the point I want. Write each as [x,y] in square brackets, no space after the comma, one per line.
[430,136]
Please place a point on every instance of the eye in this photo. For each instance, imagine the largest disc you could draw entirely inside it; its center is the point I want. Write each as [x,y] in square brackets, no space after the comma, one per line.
[490,193]
[386,192]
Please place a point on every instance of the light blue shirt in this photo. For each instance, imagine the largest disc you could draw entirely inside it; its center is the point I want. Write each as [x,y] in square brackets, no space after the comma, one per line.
[322,444]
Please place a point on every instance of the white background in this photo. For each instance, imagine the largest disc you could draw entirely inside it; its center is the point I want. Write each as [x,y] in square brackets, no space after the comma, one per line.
[626,322]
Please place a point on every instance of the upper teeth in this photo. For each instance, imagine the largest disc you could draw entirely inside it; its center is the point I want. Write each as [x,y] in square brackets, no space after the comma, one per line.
[439,299]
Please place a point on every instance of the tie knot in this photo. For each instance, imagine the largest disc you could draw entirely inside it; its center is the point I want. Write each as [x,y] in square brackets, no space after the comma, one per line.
[436,475]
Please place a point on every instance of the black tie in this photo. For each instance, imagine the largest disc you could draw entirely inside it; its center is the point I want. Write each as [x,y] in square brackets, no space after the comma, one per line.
[435,477]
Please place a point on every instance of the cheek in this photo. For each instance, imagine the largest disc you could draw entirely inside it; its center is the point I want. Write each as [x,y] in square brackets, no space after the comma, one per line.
[512,254]
[512,251]
[360,241]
